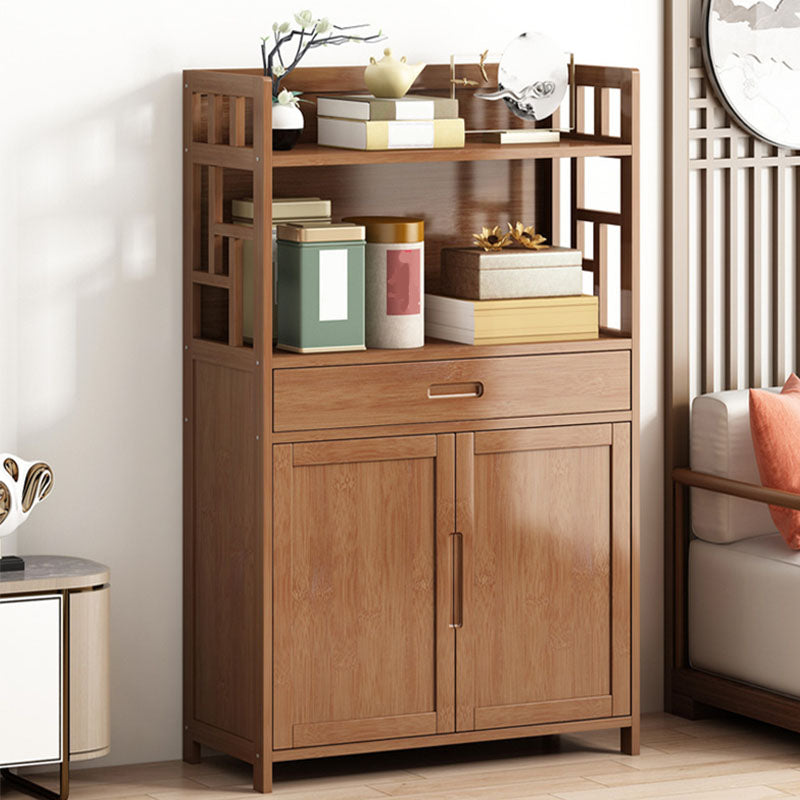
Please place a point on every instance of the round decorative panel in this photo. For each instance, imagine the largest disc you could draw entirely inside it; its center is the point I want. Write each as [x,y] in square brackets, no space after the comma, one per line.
[752,54]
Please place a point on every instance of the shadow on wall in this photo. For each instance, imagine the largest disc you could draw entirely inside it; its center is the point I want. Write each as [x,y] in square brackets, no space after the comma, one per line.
[98,230]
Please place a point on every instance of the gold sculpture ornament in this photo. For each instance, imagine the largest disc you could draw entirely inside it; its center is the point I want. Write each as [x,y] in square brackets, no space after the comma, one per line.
[23,484]
[527,236]
[492,239]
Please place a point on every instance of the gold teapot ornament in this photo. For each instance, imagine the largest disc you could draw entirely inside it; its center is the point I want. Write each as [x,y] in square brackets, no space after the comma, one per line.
[390,77]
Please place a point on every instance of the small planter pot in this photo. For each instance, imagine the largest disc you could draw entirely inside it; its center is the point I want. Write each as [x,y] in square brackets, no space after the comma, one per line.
[287,125]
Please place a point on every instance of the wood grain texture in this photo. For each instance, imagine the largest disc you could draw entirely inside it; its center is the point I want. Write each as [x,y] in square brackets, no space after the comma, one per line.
[228,154]
[224,543]
[350,452]
[437,350]
[542,711]
[89,674]
[355,609]
[315,733]
[394,394]
[541,565]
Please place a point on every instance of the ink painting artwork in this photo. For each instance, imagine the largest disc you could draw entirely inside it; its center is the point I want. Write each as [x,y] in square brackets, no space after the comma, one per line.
[752,54]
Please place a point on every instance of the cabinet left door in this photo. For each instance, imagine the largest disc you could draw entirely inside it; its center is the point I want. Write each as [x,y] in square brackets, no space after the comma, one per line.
[363,643]
[30,680]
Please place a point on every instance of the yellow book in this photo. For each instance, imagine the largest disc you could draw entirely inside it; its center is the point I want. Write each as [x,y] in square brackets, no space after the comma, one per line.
[539,319]
[354,134]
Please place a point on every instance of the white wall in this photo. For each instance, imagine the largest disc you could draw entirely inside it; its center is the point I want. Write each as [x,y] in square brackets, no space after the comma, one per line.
[90,313]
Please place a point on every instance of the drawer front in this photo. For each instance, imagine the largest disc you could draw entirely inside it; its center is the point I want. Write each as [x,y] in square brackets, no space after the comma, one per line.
[450,391]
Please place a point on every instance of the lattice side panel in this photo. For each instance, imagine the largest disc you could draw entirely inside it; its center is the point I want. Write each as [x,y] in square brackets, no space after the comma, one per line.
[224,122]
[744,232]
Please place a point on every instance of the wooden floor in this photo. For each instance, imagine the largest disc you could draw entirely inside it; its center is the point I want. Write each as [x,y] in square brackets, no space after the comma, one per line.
[720,759]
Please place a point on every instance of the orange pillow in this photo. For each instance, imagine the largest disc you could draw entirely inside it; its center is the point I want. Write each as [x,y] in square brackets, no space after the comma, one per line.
[775,428]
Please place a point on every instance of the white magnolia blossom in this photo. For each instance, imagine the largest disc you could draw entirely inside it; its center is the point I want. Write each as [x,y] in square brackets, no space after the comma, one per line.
[305,19]
[286,98]
[284,27]
[278,70]
[323,25]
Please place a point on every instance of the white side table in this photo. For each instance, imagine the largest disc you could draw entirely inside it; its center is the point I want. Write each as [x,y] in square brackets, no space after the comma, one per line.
[54,676]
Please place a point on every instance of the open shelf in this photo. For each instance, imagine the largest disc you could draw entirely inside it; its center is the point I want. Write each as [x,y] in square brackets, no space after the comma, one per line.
[437,350]
[314,155]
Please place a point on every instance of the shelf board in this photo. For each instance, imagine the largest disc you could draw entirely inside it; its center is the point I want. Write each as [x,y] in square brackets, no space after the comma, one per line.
[437,350]
[313,155]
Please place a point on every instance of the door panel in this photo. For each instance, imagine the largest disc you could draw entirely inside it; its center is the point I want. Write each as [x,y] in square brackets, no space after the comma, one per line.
[545,519]
[363,648]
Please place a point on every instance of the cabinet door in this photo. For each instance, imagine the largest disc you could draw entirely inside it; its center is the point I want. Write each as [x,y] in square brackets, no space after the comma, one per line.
[30,680]
[363,646]
[545,520]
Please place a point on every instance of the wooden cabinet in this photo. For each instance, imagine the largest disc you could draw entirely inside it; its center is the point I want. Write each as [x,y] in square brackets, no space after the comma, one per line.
[501,558]
[545,520]
[401,548]
[362,644]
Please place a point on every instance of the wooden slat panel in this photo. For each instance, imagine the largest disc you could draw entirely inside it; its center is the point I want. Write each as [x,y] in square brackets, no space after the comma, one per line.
[233,231]
[203,278]
[599,217]
[533,713]
[733,285]
[236,129]
[708,328]
[235,293]
[542,439]
[282,526]
[214,119]
[601,264]
[215,198]
[756,326]
[466,639]
[317,733]
[621,600]
[221,155]
[354,452]
[602,111]
[445,635]
[779,276]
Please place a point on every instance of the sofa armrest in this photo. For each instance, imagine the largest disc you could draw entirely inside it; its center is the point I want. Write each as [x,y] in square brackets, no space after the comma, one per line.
[749,491]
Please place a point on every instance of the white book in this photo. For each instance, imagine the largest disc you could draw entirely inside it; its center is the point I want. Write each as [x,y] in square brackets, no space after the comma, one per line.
[390,134]
[367,107]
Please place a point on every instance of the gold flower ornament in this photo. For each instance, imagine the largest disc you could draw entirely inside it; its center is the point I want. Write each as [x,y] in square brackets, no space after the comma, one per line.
[527,236]
[492,239]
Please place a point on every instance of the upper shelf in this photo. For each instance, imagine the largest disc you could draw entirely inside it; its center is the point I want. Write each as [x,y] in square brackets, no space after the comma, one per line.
[313,155]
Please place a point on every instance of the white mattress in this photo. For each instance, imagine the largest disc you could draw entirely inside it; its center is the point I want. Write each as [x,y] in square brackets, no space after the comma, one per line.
[721,445]
[744,599]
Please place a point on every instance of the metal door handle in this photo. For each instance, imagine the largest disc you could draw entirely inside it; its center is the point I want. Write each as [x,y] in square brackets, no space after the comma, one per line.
[457,549]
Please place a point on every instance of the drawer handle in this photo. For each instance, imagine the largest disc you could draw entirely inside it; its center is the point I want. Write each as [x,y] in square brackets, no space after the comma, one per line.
[451,391]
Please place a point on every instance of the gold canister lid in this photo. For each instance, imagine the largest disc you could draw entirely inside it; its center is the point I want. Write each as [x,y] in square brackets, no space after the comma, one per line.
[391,230]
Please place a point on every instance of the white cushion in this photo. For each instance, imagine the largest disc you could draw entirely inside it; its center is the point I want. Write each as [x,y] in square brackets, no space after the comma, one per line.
[721,445]
[743,598]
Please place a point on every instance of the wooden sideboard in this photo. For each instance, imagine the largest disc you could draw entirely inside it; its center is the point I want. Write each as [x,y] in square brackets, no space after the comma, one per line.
[370,564]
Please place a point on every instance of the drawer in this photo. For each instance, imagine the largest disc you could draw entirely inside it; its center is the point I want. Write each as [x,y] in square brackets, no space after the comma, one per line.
[450,391]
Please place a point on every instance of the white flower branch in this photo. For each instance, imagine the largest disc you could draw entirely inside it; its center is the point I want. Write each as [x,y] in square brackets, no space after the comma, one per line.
[310,35]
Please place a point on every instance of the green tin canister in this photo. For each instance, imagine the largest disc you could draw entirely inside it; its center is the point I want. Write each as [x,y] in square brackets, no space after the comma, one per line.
[320,287]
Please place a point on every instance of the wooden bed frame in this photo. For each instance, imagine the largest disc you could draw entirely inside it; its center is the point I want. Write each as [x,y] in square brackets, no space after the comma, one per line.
[732,222]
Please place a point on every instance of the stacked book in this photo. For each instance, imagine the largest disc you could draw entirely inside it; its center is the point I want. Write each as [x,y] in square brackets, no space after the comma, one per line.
[285,211]
[364,122]
[511,297]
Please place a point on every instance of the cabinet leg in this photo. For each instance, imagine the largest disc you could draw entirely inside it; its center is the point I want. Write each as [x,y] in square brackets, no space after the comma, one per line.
[688,708]
[629,739]
[191,750]
[262,776]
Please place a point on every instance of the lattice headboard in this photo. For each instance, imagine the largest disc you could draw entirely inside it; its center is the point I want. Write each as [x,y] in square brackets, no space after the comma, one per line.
[732,255]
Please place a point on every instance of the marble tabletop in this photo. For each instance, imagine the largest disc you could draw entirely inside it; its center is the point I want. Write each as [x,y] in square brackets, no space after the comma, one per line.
[53,573]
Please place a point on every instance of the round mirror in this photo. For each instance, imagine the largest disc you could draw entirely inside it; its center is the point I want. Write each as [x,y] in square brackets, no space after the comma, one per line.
[752,55]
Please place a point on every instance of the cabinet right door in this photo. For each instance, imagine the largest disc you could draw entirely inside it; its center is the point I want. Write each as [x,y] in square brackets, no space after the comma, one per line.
[544,517]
